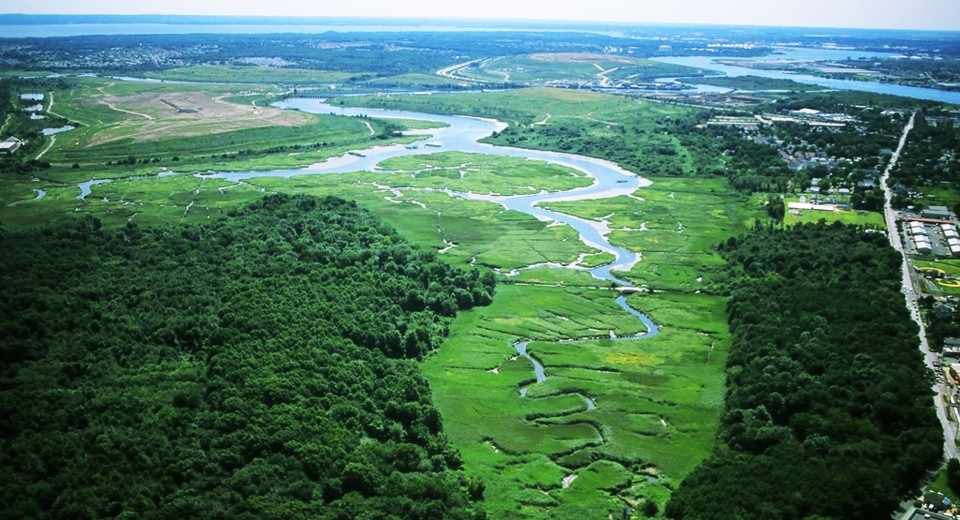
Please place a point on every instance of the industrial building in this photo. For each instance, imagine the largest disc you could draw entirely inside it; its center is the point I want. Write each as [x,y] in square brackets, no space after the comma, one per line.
[937,212]
[11,145]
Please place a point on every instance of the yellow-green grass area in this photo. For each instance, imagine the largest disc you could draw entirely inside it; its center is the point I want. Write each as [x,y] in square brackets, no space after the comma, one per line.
[485,233]
[19,205]
[675,225]
[119,120]
[950,268]
[14,73]
[147,201]
[658,399]
[412,80]
[525,107]
[571,67]
[553,276]
[871,219]
[757,83]
[936,195]
[481,174]
[251,74]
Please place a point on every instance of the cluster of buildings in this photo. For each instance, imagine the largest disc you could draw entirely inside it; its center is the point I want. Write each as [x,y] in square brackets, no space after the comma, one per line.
[921,238]
[934,232]
[805,116]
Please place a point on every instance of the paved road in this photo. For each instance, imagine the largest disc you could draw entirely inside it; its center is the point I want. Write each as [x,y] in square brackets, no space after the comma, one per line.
[910,294]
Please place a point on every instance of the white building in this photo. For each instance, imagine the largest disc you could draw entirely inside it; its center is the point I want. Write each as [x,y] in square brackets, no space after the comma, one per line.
[11,145]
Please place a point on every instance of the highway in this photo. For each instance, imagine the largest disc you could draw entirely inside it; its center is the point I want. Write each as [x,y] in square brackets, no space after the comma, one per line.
[454,71]
[910,294]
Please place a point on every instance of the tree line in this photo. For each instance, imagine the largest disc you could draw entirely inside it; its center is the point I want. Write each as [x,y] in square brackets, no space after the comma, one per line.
[254,367]
[828,411]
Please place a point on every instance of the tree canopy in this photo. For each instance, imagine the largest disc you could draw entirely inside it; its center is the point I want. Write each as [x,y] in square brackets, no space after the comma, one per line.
[254,367]
[828,409]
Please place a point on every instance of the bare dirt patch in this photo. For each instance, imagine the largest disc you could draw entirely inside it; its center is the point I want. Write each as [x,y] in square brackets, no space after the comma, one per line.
[185,114]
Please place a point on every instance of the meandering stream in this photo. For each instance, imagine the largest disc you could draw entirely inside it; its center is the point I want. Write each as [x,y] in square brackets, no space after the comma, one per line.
[462,134]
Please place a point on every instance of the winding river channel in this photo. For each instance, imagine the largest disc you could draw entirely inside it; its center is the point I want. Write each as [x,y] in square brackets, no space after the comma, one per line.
[461,135]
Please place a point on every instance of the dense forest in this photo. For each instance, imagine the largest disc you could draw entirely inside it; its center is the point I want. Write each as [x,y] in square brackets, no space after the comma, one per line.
[254,367]
[828,410]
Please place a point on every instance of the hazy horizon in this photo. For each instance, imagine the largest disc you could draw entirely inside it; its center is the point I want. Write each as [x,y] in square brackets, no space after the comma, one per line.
[936,15]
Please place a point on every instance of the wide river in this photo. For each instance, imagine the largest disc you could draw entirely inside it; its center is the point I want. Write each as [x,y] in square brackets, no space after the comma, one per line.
[801,54]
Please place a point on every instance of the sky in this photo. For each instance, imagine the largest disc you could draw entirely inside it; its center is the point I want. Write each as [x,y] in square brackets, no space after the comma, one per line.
[885,14]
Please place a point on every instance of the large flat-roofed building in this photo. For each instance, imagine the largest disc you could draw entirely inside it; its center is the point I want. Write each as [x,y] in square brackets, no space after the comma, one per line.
[917,228]
[937,212]
[11,145]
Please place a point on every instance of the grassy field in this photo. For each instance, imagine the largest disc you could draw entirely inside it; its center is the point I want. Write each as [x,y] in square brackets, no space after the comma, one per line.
[131,129]
[757,83]
[412,80]
[950,267]
[251,74]
[861,218]
[675,224]
[940,195]
[657,399]
[200,125]
[571,68]
[482,174]
[634,133]
[940,485]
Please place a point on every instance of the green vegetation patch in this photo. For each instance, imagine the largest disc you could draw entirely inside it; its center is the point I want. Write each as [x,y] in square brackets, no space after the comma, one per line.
[124,126]
[481,174]
[636,134]
[253,366]
[757,83]
[250,74]
[675,224]
[484,233]
[813,309]
[949,282]
[870,219]
[657,399]
[571,68]
[412,80]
